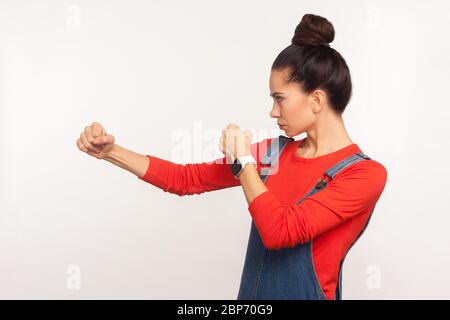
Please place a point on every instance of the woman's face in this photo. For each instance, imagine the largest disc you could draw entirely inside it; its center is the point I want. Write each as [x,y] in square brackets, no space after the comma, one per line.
[291,106]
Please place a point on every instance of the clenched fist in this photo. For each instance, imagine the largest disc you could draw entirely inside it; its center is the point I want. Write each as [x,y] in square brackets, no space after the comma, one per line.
[95,141]
[234,142]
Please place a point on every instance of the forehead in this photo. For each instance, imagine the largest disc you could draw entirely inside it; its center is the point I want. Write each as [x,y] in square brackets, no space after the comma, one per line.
[278,81]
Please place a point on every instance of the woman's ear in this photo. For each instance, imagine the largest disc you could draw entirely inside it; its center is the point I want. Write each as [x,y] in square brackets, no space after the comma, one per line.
[317,100]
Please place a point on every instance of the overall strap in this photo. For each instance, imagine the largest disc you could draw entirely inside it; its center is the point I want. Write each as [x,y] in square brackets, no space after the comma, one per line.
[273,153]
[333,171]
[321,184]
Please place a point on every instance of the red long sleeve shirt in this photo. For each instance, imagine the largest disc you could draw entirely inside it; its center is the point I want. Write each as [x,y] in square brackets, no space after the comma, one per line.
[332,218]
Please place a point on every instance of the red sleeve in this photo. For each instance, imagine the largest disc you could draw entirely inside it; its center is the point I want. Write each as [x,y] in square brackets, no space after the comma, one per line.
[195,178]
[353,191]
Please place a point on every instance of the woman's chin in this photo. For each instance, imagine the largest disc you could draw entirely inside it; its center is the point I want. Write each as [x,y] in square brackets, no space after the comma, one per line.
[286,132]
[290,133]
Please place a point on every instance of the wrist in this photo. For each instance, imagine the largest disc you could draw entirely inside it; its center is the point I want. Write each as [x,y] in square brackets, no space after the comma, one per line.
[240,163]
[113,154]
[246,169]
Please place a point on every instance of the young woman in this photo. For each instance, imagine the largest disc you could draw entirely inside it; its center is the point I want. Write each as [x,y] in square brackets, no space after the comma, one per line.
[310,199]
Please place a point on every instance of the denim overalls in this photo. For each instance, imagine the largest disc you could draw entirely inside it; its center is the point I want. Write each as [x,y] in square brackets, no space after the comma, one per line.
[287,273]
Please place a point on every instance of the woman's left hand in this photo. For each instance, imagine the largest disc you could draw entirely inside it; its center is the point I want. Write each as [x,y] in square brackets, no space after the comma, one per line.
[234,142]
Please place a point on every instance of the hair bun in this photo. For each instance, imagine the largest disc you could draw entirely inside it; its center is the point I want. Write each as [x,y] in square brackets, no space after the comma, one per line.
[313,30]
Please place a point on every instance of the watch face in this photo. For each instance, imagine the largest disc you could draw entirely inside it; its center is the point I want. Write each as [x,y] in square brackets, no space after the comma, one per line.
[235,167]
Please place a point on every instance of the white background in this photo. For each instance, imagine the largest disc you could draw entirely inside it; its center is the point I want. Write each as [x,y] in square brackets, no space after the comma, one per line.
[149,69]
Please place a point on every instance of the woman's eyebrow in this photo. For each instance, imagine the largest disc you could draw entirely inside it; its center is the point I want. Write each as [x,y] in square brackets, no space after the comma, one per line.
[274,93]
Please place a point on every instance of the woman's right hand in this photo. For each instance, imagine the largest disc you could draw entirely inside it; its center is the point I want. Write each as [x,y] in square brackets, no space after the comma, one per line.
[95,141]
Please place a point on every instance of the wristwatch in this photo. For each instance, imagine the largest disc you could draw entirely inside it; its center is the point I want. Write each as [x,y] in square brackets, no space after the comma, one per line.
[239,164]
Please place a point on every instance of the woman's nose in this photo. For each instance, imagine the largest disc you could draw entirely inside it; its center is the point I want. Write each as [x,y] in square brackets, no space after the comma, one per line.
[274,112]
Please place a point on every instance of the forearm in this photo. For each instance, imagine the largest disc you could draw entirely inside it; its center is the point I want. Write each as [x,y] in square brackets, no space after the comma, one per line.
[131,161]
[251,183]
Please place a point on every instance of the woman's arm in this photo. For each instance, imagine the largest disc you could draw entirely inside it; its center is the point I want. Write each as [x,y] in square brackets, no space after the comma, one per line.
[251,183]
[188,179]
[181,179]
[131,161]
[353,192]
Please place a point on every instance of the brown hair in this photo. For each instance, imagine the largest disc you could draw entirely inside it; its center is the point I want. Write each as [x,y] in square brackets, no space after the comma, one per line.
[314,64]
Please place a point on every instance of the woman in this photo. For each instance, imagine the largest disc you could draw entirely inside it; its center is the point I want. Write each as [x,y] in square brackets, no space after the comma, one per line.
[322,189]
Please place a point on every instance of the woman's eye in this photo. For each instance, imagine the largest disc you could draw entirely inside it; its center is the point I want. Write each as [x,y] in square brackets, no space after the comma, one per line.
[278,97]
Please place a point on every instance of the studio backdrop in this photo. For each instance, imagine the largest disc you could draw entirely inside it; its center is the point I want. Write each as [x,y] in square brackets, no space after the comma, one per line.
[165,77]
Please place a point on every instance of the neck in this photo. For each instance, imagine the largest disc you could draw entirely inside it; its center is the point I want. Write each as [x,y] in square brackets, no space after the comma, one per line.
[327,135]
